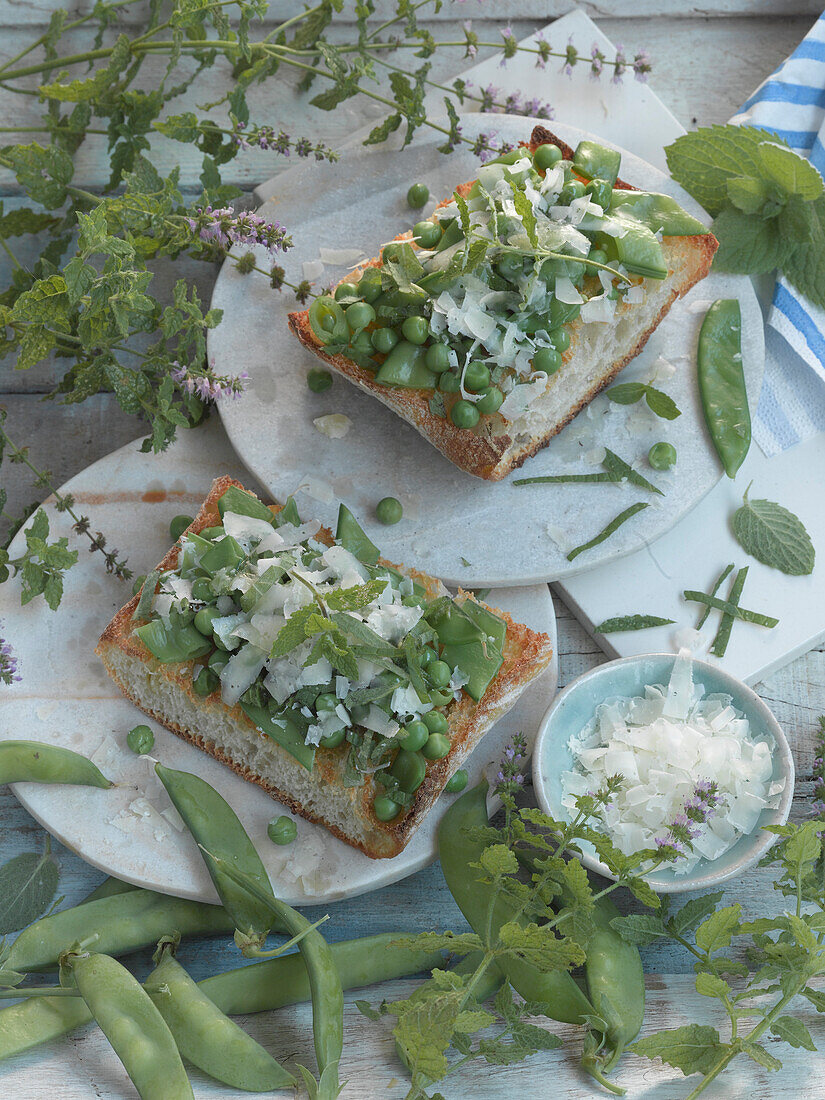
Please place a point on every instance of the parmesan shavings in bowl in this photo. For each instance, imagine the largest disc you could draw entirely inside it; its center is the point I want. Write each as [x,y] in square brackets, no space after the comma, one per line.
[673,745]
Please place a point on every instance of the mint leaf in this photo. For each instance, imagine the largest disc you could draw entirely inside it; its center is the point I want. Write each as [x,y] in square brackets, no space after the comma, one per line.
[774,536]
[709,985]
[805,262]
[717,931]
[704,160]
[694,911]
[793,1031]
[350,599]
[692,1049]
[747,194]
[661,404]
[793,173]
[28,883]
[748,245]
[293,632]
[640,928]
[627,393]
[524,209]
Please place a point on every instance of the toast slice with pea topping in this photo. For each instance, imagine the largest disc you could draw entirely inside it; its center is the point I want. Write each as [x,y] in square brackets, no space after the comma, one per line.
[492,324]
[348,688]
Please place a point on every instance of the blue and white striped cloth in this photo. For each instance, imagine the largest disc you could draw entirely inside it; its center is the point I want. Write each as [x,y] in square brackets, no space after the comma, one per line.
[791,102]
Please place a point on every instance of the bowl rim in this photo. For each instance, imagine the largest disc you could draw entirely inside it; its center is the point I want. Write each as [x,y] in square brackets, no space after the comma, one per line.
[755,844]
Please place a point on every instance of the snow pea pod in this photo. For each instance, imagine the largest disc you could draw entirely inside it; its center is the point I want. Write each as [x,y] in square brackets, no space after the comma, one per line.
[722,383]
[260,987]
[114,925]
[130,1021]
[219,833]
[204,1035]
[37,762]
[559,996]
[615,981]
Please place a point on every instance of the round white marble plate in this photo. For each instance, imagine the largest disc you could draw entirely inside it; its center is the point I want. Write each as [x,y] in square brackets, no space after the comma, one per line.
[66,698]
[455,526]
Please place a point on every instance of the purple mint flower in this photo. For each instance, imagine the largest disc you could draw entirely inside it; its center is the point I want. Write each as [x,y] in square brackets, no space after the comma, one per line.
[543,50]
[207,384]
[641,66]
[817,806]
[619,65]
[571,56]
[222,226]
[471,39]
[8,664]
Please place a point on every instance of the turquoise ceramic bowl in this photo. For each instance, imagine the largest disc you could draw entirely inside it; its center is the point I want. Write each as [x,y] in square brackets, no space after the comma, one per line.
[576,705]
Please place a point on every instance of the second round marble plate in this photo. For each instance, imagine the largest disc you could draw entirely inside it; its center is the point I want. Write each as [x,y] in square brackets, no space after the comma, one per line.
[455,526]
[66,698]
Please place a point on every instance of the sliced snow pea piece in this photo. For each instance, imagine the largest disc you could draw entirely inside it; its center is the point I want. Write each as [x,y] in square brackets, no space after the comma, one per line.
[225,554]
[114,925]
[326,319]
[471,644]
[722,383]
[557,993]
[173,643]
[594,160]
[204,1035]
[282,730]
[509,158]
[452,235]
[39,762]
[261,586]
[661,213]
[287,514]
[136,1030]
[491,624]
[219,833]
[143,609]
[640,251]
[351,535]
[243,504]
[406,366]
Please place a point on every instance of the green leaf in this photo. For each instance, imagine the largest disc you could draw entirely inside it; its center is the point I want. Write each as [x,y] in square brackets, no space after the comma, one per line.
[774,536]
[717,931]
[804,264]
[748,245]
[630,622]
[758,1053]
[541,947]
[794,174]
[497,860]
[695,911]
[23,221]
[816,997]
[643,891]
[359,595]
[627,393]
[793,1031]
[661,404]
[704,160]
[43,173]
[524,209]
[640,928]
[28,883]
[692,1049]
[463,213]
[623,471]
[709,985]
[747,194]
[293,632]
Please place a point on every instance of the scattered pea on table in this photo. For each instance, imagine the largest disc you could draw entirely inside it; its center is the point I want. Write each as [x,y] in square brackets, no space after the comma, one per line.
[662,456]
[282,830]
[319,380]
[417,195]
[140,739]
[388,511]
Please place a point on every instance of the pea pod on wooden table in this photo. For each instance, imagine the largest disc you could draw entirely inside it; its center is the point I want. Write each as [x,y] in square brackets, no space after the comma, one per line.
[39,762]
[615,981]
[261,987]
[130,1021]
[557,992]
[722,383]
[204,1035]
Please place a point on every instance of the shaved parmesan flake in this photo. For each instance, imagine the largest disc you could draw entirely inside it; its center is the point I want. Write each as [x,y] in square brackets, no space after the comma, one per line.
[340,257]
[668,744]
[313,269]
[566,292]
[333,425]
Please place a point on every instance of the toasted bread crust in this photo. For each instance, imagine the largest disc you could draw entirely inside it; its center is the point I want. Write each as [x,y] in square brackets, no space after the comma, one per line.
[526,654]
[486,451]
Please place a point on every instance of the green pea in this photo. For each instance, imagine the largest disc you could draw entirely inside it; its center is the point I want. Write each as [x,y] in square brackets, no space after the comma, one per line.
[491,401]
[427,234]
[210,533]
[436,722]
[476,376]
[388,511]
[140,739]
[384,340]
[560,338]
[218,661]
[204,619]
[409,769]
[417,195]
[415,736]
[202,590]
[326,703]
[440,698]
[597,254]
[178,526]
[572,190]
[282,830]
[546,156]
[661,456]
[600,191]
[416,330]
[369,288]
[449,382]
[205,682]
[346,290]
[547,359]
[333,740]
[464,414]
[359,315]
[384,808]
[439,673]
[362,343]
[509,266]
[428,654]
[319,380]
[437,358]
[456,782]
[137,584]
[437,746]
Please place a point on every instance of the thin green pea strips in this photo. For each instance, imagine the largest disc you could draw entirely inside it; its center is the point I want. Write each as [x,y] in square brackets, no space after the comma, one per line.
[563,479]
[718,584]
[604,534]
[143,610]
[720,642]
[38,762]
[630,622]
[624,471]
[730,607]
